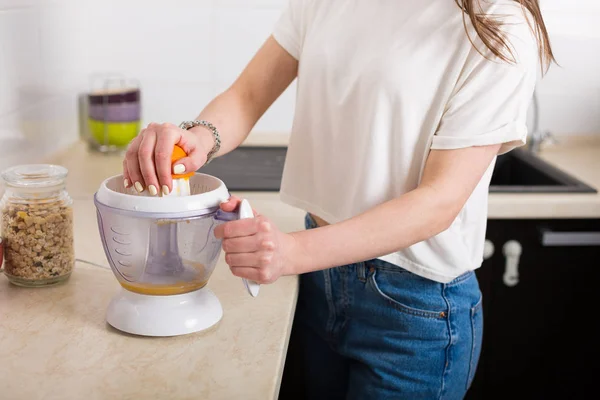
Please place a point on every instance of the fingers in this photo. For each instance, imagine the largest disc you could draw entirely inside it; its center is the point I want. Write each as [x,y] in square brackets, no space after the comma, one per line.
[231,205]
[189,164]
[126,178]
[196,154]
[243,227]
[168,136]
[241,259]
[148,158]
[251,255]
[247,244]
[262,276]
[133,165]
[146,161]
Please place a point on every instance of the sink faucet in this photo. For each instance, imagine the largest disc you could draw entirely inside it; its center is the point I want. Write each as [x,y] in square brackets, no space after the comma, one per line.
[537,136]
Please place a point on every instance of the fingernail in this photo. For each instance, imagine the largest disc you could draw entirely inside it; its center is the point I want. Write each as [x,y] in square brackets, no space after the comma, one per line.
[179,169]
[152,190]
[126,183]
[139,187]
[165,190]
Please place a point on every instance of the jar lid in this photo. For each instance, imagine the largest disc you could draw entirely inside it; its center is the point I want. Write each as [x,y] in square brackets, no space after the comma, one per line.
[35,175]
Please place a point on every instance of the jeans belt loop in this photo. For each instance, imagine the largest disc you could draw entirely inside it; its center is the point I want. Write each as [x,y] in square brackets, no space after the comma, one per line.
[361,270]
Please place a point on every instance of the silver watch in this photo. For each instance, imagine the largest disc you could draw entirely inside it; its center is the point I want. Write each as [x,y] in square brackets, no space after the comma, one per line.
[190,124]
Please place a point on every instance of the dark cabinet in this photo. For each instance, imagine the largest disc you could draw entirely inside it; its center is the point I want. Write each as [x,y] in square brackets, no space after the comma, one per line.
[541,300]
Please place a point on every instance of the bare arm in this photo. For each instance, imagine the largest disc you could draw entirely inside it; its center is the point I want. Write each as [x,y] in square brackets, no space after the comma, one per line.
[237,110]
[234,113]
[449,178]
[256,250]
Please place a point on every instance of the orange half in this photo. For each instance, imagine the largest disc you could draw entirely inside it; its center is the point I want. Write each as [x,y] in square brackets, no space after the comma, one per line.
[178,154]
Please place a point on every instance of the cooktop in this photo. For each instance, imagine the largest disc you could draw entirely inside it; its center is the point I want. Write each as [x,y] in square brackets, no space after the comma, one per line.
[257,169]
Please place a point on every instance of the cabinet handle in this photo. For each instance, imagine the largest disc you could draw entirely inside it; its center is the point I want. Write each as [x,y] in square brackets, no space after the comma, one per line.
[512,252]
[570,238]
[488,249]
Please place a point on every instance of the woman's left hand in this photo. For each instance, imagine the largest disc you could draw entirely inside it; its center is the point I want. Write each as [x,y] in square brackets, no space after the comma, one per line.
[254,248]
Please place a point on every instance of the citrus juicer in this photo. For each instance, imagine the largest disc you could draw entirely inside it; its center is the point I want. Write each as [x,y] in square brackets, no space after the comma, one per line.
[162,250]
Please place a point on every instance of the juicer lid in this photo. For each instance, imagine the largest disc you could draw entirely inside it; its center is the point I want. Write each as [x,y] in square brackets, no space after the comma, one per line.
[207,193]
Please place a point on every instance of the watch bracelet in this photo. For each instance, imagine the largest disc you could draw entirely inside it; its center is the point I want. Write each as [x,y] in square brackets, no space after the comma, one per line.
[215,132]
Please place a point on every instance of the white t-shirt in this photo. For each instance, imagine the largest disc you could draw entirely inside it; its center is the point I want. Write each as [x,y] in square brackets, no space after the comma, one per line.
[382,82]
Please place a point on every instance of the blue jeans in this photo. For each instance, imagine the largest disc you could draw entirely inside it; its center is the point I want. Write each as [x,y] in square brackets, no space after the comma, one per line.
[373,330]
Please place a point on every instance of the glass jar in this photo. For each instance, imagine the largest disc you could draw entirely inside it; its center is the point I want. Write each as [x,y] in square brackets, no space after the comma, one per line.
[36,224]
[113,112]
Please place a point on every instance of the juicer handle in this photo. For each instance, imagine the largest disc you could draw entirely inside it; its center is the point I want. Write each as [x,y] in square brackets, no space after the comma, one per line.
[245,211]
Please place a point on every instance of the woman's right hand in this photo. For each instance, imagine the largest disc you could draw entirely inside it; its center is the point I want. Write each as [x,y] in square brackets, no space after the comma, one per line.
[147,164]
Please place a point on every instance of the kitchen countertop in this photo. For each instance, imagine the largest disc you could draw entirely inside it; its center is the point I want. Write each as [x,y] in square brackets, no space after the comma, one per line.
[579,157]
[55,343]
[17,149]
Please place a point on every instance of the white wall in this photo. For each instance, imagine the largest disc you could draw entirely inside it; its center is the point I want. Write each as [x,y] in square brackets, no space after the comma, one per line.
[185,51]
[570,93]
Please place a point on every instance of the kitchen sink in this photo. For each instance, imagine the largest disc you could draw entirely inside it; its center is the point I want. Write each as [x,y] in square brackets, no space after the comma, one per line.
[521,171]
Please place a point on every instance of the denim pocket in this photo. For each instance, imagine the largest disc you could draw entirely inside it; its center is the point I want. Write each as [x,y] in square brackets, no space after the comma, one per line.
[476,337]
[309,222]
[408,293]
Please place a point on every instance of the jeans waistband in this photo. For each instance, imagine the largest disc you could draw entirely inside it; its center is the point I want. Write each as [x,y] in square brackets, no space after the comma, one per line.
[368,266]
[310,222]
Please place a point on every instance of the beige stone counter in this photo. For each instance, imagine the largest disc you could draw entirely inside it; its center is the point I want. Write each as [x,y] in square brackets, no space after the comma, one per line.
[55,343]
[581,159]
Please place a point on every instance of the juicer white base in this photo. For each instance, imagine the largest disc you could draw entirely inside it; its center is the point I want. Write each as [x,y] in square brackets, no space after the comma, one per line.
[180,314]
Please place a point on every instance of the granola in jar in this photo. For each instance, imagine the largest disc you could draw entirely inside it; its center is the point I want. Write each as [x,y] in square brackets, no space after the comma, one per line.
[36,223]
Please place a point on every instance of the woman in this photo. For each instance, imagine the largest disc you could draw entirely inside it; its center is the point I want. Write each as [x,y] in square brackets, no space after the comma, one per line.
[402,107]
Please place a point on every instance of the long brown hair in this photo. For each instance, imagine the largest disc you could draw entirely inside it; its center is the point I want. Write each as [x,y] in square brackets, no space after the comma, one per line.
[489,30]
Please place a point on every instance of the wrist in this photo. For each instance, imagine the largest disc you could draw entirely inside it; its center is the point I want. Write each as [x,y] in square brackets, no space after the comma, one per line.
[299,260]
[206,138]
[216,137]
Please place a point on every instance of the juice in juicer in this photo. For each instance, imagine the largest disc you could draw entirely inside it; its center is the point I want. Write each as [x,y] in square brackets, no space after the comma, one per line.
[162,250]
